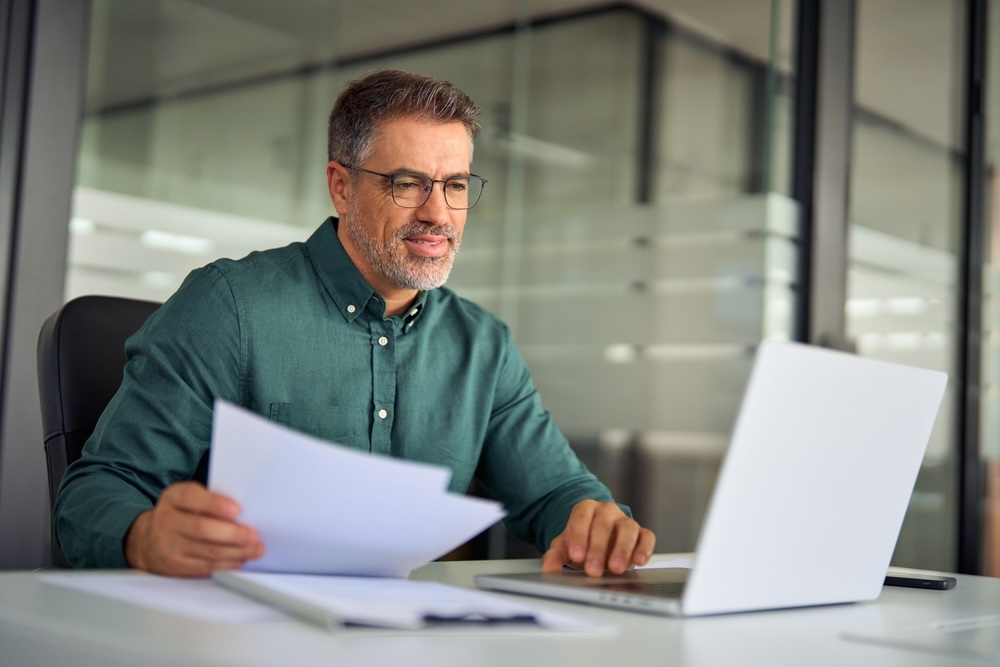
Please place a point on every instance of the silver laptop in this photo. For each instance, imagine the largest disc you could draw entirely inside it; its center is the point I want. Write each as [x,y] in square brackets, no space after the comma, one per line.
[809,501]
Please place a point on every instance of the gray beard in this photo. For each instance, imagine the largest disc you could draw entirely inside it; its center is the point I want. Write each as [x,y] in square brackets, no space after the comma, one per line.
[392,259]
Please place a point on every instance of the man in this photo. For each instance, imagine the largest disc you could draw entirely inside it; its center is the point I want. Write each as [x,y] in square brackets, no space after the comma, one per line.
[346,337]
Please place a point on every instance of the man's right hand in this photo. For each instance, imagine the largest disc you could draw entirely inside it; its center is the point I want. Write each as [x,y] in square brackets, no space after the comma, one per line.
[191,532]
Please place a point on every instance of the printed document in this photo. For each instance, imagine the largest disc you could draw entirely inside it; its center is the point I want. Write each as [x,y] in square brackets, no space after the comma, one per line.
[321,508]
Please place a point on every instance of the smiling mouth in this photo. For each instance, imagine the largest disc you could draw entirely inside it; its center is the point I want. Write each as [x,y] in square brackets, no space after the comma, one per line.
[428,247]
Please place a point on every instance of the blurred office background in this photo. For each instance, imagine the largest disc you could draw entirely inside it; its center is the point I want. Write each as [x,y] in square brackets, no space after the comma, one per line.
[670,181]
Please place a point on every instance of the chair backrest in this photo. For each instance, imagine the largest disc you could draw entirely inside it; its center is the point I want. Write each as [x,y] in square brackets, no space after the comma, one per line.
[80,361]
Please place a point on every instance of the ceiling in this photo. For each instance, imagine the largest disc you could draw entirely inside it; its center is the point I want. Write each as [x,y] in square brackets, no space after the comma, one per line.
[145,50]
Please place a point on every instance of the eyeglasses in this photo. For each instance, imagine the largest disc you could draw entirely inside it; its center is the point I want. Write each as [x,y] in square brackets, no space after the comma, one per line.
[413,190]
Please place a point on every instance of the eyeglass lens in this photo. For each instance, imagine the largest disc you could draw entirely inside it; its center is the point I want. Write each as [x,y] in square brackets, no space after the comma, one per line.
[412,191]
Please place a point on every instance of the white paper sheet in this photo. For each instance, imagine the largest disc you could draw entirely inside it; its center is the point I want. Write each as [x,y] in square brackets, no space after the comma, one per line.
[199,599]
[384,602]
[324,509]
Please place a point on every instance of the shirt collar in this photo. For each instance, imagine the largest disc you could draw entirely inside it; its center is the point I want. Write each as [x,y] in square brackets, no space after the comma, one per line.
[342,280]
[416,309]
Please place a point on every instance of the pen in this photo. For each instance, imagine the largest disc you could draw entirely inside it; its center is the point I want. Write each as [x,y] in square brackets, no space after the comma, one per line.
[480,619]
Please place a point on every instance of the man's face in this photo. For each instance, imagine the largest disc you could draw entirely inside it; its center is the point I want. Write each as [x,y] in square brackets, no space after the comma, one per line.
[398,248]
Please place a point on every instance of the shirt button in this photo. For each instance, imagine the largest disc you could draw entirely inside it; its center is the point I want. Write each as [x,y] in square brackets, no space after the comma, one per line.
[382,414]
[383,341]
[413,313]
[351,308]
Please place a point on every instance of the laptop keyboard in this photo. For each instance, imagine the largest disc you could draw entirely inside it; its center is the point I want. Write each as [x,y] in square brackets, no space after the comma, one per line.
[663,589]
[667,589]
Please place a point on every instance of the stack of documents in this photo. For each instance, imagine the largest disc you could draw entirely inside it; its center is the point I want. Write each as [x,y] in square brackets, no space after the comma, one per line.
[342,529]
[397,603]
[321,508]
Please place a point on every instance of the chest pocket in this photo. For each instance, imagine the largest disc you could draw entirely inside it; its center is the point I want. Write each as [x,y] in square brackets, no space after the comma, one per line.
[344,426]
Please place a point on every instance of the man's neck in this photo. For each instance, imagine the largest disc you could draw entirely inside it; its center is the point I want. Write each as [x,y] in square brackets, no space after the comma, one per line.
[400,304]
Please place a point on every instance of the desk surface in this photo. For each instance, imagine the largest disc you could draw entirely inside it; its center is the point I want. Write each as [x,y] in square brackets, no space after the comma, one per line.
[54,625]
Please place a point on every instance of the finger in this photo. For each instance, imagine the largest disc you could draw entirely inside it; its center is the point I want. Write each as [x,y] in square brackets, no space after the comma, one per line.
[645,547]
[221,556]
[202,516]
[556,557]
[577,533]
[625,537]
[195,498]
[601,531]
[176,554]
[210,539]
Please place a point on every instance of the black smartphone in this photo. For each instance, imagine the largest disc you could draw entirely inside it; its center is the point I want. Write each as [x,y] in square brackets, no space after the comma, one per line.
[929,581]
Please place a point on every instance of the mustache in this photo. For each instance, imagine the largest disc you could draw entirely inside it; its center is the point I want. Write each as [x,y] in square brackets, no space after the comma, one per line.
[420,228]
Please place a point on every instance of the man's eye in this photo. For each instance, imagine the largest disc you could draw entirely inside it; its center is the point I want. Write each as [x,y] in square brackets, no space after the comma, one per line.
[407,184]
[458,185]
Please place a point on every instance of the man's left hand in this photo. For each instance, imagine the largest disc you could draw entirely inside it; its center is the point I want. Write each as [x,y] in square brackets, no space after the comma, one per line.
[599,537]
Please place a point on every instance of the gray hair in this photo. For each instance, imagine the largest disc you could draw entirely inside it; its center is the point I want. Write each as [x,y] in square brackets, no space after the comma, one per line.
[387,95]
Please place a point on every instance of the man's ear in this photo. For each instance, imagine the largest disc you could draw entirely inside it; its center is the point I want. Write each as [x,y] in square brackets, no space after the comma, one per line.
[338,181]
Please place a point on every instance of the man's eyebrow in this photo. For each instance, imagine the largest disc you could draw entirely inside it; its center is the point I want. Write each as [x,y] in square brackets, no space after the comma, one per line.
[417,172]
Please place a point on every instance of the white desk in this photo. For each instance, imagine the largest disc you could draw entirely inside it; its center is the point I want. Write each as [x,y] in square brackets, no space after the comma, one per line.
[45,624]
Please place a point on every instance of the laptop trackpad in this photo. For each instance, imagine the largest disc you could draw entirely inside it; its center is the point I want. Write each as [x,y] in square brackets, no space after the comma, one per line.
[658,582]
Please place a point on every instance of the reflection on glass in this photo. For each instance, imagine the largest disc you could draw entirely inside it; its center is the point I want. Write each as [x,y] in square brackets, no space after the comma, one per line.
[905,209]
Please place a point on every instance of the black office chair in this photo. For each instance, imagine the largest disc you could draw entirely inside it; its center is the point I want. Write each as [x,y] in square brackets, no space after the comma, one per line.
[80,360]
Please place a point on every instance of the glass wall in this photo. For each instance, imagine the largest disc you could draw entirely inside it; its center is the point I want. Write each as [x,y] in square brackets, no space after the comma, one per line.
[905,218]
[990,396]
[636,232]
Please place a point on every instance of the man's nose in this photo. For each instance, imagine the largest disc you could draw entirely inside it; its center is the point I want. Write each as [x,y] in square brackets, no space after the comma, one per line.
[436,204]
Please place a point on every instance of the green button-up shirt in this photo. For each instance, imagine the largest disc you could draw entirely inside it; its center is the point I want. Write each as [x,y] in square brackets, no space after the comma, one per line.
[296,334]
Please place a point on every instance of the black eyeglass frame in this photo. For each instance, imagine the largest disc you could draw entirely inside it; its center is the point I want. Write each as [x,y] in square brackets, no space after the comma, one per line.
[392,186]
